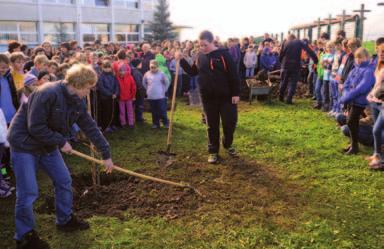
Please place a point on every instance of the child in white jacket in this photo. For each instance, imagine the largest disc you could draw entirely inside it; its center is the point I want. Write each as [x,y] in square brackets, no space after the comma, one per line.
[250,61]
[5,189]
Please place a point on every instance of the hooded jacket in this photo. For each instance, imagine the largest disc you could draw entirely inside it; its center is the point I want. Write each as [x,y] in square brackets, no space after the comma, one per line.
[12,87]
[358,84]
[44,123]
[250,59]
[127,84]
[107,85]
[218,77]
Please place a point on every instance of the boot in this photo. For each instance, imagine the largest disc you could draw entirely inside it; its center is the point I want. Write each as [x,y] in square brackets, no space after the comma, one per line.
[74,224]
[31,240]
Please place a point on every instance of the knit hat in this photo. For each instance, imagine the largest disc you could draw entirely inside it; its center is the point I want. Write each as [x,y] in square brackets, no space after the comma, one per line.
[29,79]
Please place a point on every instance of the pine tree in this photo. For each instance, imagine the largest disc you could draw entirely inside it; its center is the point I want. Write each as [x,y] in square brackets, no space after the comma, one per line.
[161,26]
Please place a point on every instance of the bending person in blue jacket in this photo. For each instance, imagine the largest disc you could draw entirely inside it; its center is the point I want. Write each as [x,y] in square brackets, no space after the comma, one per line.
[38,132]
[356,88]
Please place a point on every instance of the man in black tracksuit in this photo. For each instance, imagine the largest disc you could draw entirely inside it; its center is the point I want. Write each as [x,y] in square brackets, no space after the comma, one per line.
[290,59]
[219,88]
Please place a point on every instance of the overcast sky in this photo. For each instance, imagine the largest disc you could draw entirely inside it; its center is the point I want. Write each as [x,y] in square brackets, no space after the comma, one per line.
[254,17]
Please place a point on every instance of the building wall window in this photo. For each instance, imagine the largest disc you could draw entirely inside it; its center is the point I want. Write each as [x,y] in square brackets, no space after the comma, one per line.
[93,32]
[148,5]
[127,33]
[59,1]
[24,32]
[131,4]
[56,32]
[99,3]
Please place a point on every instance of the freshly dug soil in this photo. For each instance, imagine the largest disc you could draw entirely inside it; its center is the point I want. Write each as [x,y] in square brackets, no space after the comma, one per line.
[234,190]
[118,193]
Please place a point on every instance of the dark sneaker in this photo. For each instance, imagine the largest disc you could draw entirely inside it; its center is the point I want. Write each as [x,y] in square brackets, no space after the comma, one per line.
[74,224]
[347,148]
[213,158]
[289,102]
[317,106]
[352,151]
[31,240]
[4,193]
[232,152]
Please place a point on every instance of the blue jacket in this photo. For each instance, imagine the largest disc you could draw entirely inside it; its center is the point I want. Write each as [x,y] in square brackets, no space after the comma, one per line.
[44,123]
[358,84]
[268,60]
[107,85]
[9,78]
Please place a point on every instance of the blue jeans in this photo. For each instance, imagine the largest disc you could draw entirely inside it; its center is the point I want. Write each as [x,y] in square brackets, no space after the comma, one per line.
[375,110]
[25,166]
[318,87]
[378,128]
[326,94]
[249,72]
[159,111]
[193,83]
[335,96]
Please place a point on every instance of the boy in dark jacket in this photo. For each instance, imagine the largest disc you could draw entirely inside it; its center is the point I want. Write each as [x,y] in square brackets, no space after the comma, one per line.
[219,88]
[140,91]
[108,90]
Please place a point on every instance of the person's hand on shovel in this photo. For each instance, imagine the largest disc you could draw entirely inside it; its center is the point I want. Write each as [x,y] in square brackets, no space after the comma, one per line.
[67,148]
[108,165]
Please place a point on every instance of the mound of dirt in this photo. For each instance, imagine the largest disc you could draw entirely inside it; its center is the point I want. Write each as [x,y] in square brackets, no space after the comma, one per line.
[235,191]
[118,193]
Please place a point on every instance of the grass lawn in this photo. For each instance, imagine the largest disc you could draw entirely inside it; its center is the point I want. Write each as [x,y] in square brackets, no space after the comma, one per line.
[291,188]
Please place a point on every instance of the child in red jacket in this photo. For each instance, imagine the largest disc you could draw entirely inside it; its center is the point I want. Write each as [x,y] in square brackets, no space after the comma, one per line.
[127,94]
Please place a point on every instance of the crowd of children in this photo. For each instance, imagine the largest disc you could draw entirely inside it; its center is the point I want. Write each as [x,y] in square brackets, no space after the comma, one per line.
[127,74]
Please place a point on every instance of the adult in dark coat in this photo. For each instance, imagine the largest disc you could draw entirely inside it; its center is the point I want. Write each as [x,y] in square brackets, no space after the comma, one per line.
[290,59]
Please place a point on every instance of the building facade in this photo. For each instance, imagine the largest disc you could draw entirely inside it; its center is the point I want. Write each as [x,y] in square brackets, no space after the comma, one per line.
[33,21]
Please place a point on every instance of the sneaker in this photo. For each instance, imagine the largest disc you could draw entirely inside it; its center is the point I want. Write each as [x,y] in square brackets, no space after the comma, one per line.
[4,193]
[166,126]
[378,166]
[5,185]
[109,129]
[376,160]
[352,151]
[155,127]
[289,102]
[213,158]
[232,152]
[317,106]
[74,224]
[31,240]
